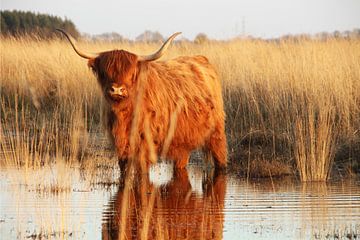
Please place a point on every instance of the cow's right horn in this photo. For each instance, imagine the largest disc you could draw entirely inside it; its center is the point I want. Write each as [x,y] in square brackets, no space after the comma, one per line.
[72,42]
[161,51]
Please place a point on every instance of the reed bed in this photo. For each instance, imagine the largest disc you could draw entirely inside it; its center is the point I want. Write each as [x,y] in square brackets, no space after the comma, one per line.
[291,102]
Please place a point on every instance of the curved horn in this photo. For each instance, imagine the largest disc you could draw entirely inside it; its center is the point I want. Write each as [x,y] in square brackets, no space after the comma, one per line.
[72,42]
[161,51]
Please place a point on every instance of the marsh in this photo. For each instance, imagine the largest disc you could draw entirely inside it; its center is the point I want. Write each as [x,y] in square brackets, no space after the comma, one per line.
[190,204]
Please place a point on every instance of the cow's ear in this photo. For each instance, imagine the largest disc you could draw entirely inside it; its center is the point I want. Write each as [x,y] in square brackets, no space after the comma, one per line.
[91,63]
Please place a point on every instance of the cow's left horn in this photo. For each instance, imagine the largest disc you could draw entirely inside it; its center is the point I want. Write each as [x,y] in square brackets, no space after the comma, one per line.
[161,51]
[72,42]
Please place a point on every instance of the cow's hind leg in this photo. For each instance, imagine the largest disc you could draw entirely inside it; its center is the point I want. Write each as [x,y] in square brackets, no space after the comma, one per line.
[217,147]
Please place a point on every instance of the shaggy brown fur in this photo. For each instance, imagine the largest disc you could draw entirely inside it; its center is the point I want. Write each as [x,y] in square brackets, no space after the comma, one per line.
[177,103]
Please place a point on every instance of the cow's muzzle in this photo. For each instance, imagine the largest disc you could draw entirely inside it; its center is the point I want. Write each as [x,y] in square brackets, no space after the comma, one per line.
[118,93]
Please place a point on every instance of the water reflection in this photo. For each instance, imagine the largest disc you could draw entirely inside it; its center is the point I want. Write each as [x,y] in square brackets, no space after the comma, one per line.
[330,210]
[180,205]
[288,209]
[171,211]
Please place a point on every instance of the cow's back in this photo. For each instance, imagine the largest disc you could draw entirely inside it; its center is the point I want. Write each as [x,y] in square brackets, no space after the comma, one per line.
[186,90]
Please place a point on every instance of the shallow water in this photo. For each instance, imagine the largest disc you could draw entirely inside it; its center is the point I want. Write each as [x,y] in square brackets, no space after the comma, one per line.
[187,204]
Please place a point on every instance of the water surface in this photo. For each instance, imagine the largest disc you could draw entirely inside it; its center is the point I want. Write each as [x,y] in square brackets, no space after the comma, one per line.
[192,204]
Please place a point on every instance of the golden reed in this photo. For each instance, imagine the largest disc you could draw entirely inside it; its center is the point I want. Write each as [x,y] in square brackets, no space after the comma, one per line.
[302,97]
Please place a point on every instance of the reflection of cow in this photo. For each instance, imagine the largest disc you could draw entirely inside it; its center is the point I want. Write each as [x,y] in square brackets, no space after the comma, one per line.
[172,211]
[161,108]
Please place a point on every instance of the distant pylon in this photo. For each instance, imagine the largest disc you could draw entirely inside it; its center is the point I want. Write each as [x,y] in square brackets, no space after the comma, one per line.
[243,28]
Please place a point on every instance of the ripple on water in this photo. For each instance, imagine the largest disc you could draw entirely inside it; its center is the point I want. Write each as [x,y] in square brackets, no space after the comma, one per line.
[183,205]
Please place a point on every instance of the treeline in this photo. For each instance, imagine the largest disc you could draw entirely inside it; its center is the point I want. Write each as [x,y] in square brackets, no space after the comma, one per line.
[19,23]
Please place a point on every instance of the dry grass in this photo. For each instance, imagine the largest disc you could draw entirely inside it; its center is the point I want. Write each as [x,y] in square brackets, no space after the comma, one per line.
[295,101]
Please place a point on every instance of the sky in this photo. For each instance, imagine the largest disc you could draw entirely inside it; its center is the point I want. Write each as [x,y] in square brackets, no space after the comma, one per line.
[219,19]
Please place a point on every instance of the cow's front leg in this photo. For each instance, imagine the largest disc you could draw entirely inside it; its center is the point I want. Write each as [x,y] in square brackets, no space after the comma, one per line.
[123,162]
